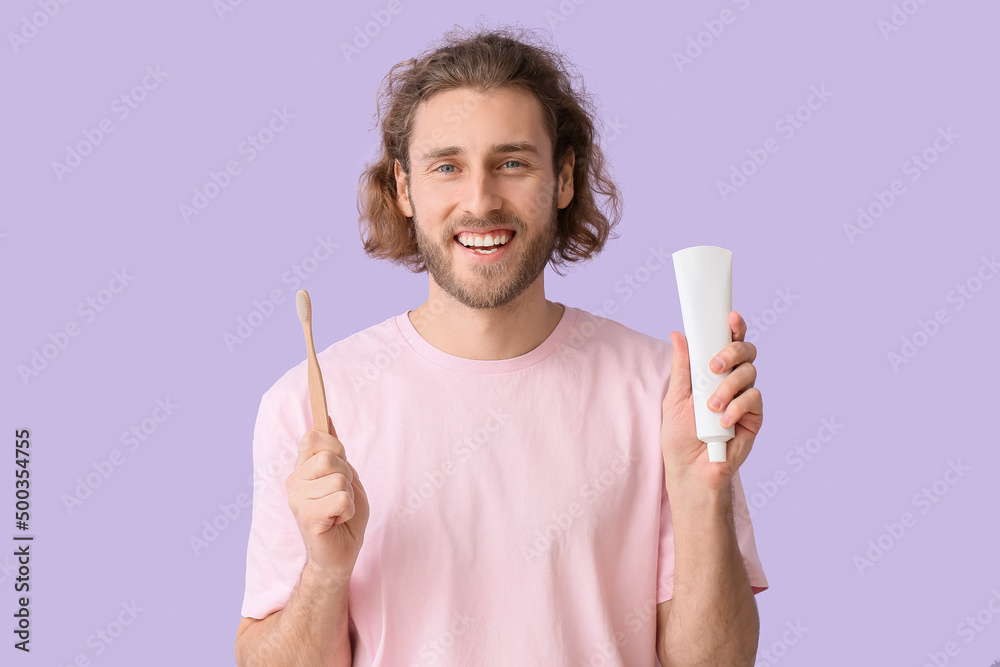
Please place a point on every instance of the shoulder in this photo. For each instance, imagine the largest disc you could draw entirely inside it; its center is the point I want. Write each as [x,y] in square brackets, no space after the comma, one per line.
[611,333]
[338,359]
[613,349]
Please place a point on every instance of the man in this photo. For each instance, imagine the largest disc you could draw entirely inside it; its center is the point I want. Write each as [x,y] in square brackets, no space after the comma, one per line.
[517,454]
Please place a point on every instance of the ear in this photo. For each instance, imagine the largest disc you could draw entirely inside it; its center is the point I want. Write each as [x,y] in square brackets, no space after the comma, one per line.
[402,195]
[566,179]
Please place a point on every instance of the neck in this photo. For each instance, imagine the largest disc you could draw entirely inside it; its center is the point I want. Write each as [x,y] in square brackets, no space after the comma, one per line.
[487,334]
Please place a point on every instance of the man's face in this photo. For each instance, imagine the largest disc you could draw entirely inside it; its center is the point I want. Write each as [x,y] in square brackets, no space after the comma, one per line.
[481,163]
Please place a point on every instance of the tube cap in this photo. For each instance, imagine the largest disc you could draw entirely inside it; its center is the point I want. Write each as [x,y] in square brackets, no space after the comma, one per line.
[716,452]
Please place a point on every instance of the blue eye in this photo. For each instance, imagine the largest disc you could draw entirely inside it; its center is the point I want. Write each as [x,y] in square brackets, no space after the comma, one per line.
[517,162]
[446,165]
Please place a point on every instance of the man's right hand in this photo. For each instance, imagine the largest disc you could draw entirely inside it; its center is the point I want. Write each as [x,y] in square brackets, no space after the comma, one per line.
[329,503]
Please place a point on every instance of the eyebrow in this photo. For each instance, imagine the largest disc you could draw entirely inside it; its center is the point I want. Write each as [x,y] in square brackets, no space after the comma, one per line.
[448,151]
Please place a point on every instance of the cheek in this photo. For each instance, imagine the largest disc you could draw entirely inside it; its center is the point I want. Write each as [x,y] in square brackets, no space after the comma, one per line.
[429,203]
[538,203]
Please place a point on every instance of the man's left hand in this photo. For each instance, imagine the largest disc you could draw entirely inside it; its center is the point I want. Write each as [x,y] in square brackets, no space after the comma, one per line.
[685,457]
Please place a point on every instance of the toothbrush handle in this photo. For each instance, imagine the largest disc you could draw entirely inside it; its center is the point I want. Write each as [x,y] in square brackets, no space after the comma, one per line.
[317,395]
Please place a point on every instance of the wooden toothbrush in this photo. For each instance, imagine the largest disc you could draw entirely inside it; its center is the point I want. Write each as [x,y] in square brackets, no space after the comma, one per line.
[317,394]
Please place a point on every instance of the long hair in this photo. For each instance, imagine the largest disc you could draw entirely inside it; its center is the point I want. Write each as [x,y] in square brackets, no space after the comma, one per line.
[483,61]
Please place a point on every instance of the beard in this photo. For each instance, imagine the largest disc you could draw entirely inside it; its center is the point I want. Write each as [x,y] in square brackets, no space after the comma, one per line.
[493,284]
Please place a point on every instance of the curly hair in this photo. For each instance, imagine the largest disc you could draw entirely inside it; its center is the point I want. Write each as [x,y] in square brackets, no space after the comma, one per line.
[482,61]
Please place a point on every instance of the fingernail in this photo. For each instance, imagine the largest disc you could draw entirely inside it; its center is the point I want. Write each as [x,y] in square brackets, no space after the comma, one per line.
[725,421]
[716,365]
[714,403]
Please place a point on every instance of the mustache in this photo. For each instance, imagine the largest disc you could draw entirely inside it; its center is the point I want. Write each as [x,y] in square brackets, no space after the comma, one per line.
[471,223]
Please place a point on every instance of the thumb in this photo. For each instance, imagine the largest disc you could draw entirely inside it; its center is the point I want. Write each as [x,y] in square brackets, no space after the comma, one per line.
[680,369]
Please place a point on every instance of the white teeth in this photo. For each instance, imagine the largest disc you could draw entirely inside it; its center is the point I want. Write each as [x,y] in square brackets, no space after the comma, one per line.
[473,241]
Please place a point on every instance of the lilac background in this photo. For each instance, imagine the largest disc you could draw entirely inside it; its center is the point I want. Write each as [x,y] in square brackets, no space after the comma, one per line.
[671,132]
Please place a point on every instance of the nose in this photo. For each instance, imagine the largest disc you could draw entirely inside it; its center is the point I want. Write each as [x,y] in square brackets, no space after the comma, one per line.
[481,195]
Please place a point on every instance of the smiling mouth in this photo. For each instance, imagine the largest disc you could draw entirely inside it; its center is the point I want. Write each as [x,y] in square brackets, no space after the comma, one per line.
[484,245]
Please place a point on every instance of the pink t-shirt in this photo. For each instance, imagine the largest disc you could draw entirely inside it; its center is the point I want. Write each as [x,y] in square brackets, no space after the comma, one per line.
[518,512]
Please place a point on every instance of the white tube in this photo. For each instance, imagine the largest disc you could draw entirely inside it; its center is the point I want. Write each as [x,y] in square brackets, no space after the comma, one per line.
[705,286]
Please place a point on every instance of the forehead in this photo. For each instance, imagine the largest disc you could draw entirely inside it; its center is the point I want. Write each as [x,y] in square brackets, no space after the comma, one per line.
[473,121]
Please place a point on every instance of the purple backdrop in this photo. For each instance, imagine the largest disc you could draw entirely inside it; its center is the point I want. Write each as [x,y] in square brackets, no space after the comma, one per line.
[173,170]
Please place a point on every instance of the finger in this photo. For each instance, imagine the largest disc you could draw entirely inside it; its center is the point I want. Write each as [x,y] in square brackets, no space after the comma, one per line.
[315,441]
[356,484]
[339,506]
[328,511]
[733,355]
[327,485]
[746,409]
[738,326]
[679,385]
[353,471]
[322,463]
[741,444]
[737,382]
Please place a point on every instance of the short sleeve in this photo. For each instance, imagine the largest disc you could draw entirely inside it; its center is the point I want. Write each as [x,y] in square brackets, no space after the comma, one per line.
[744,536]
[275,551]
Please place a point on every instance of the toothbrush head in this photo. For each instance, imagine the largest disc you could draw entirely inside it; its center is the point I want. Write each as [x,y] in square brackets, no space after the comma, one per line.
[303,306]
